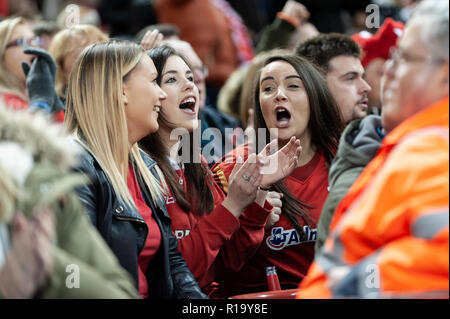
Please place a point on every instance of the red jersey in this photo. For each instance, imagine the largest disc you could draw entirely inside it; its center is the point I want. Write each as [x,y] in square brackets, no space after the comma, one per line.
[217,235]
[153,241]
[281,246]
[15,102]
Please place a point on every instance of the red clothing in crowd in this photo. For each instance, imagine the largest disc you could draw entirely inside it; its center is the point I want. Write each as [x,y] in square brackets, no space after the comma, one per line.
[203,240]
[281,246]
[17,103]
[4,8]
[153,241]
[13,101]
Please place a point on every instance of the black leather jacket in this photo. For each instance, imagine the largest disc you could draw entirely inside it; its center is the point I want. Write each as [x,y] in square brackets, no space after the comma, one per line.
[125,231]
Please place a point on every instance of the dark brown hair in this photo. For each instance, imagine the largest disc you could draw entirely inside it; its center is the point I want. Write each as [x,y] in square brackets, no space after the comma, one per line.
[198,197]
[325,126]
[322,49]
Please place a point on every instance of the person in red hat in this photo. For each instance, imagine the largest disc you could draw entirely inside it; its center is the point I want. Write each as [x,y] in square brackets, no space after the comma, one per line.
[376,49]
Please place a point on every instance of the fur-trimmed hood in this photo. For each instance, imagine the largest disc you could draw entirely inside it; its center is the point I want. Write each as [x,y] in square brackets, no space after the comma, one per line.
[29,146]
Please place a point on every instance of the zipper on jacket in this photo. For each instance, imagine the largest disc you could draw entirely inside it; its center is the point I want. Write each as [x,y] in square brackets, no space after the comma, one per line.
[130,219]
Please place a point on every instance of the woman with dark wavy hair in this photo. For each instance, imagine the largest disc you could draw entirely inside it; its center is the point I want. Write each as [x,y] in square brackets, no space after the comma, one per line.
[291,100]
[210,226]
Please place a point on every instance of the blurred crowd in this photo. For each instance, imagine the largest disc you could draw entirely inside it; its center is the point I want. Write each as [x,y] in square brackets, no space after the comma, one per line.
[180,148]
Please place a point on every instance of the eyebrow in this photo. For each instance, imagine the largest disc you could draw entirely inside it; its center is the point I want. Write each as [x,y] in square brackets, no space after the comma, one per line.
[175,72]
[352,73]
[286,78]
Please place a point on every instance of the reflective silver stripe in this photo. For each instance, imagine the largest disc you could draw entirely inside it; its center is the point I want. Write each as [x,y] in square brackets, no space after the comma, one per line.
[369,283]
[327,261]
[430,225]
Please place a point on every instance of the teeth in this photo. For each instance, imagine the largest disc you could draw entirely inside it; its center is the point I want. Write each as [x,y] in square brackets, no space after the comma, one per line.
[156,109]
[189,100]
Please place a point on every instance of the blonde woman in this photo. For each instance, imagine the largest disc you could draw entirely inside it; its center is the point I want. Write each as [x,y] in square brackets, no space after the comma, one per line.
[15,34]
[67,45]
[113,101]
[27,73]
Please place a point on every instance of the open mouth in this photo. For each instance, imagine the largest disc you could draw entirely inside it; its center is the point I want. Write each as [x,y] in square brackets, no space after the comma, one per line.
[363,104]
[283,117]
[188,105]
[157,108]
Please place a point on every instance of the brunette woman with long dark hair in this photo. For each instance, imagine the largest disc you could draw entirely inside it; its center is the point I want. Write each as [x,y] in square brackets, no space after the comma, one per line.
[291,99]
[206,222]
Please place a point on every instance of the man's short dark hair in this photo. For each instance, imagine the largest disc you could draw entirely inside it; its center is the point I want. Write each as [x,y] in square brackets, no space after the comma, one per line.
[322,49]
[167,30]
[46,28]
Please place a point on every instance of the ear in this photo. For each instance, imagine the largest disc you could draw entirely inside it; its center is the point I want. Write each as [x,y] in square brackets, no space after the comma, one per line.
[125,93]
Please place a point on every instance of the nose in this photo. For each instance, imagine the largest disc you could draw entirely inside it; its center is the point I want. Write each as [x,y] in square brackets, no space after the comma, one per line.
[189,85]
[365,87]
[162,94]
[281,96]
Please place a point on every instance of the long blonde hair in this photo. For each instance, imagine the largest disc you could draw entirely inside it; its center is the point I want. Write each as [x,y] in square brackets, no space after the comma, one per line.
[8,82]
[95,113]
[65,41]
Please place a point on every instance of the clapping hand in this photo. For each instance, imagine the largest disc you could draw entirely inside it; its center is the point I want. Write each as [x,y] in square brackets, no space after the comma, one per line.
[274,199]
[280,164]
[151,39]
[243,185]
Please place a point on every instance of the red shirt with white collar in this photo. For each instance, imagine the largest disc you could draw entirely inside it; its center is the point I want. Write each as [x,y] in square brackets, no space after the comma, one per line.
[204,239]
[281,246]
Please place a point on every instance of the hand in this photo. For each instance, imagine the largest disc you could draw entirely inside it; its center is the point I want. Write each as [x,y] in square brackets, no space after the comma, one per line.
[151,39]
[281,164]
[243,186]
[297,11]
[29,262]
[43,55]
[274,199]
[41,80]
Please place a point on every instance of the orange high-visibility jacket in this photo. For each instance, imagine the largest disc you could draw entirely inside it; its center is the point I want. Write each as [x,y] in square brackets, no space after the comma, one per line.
[390,234]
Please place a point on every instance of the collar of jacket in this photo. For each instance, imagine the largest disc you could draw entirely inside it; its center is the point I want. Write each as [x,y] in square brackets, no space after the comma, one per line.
[149,162]
[121,209]
[434,115]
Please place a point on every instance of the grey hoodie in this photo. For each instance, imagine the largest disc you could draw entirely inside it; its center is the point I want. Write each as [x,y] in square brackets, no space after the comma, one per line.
[358,146]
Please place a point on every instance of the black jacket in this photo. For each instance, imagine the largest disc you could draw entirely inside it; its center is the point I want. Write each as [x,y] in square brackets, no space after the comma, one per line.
[125,231]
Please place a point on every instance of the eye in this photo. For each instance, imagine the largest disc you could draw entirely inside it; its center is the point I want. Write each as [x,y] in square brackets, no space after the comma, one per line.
[171,80]
[294,86]
[190,78]
[268,89]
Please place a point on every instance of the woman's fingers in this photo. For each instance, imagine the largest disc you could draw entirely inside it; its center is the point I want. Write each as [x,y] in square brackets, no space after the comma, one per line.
[151,39]
[269,147]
